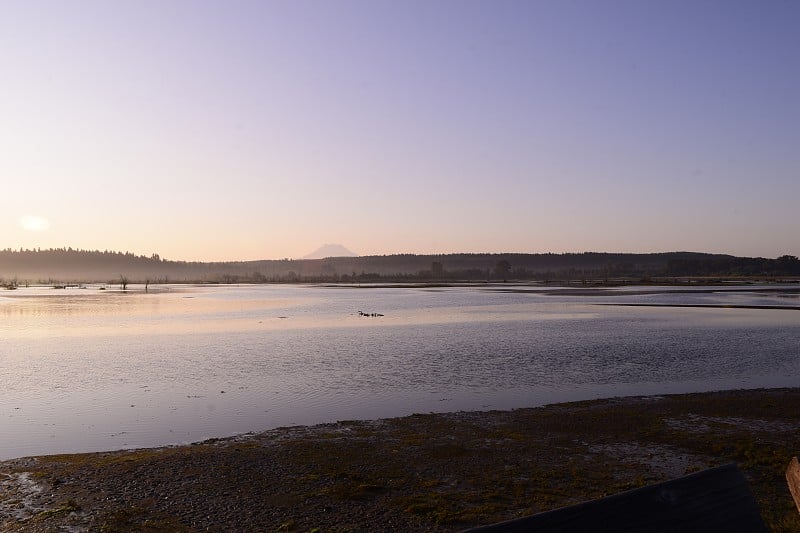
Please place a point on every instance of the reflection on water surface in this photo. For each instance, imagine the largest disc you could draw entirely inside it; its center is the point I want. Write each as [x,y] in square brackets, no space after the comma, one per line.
[85,369]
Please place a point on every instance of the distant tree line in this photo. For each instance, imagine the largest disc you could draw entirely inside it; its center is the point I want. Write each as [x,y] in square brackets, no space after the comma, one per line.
[785,265]
[69,265]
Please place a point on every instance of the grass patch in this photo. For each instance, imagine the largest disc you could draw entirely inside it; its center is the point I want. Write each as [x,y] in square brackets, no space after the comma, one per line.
[69,507]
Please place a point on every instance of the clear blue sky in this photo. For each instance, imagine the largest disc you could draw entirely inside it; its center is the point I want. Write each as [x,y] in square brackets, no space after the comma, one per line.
[248,130]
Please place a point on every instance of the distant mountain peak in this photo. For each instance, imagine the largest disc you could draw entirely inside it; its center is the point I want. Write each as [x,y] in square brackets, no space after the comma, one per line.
[330,250]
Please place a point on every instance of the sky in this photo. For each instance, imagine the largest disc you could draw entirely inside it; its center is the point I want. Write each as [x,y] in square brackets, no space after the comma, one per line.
[239,130]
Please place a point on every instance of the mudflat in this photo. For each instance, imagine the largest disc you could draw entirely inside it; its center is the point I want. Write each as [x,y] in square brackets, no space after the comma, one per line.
[429,472]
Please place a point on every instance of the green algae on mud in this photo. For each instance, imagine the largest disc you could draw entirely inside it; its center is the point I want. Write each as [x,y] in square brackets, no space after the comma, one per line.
[427,472]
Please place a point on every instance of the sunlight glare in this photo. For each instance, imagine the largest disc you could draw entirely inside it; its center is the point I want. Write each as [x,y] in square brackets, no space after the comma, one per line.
[34,223]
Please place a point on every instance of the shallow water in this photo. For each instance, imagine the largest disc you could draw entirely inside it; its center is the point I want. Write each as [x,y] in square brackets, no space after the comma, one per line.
[85,369]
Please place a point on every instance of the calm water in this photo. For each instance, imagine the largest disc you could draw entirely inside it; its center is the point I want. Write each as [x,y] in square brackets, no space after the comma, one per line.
[84,369]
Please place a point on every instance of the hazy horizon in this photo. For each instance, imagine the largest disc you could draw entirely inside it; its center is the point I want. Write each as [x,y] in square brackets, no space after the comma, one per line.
[315,255]
[236,131]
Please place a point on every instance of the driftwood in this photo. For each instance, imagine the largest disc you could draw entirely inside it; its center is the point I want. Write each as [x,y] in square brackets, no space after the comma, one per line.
[793,479]
[717,499]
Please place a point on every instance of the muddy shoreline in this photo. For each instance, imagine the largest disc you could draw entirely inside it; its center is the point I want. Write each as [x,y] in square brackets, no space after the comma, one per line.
[433,472]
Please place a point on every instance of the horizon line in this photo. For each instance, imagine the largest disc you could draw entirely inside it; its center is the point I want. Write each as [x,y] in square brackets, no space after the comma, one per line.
[433,254]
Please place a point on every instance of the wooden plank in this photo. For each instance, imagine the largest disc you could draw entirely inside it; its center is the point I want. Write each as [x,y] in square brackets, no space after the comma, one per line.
[793,479]
[717,499]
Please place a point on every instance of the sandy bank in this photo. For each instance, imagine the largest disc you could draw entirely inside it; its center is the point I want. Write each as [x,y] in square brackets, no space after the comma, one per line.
[437,472]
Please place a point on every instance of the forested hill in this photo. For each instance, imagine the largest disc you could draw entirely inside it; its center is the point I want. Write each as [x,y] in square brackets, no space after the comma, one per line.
[68,265]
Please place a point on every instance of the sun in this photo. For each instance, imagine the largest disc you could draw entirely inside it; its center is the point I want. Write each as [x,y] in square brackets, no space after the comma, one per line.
[34,223]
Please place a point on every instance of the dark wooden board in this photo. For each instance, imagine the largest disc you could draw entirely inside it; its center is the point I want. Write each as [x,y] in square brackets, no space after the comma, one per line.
[793,479]
[717,499]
